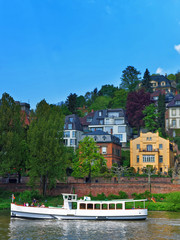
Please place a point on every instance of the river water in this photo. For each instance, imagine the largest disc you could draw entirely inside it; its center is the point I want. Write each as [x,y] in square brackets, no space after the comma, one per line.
[158,226]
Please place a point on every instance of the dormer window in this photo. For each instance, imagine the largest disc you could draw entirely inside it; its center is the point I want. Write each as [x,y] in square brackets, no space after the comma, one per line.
[100,113]
[71,119]
[70,126]
[104,138]
[95,138]
[177,102]
[162,83]
[89,119]
[101,122]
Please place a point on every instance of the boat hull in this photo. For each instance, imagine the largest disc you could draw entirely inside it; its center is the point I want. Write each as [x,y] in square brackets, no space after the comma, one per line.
[63,214]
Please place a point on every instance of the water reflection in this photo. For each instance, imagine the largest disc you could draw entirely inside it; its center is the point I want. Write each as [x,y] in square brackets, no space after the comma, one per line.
[159,225]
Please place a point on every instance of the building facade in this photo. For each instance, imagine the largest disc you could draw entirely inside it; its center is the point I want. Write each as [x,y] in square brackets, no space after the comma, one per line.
[112,121]
[160,82]
[109,145]
[72,131]
[151,149]
[173,116]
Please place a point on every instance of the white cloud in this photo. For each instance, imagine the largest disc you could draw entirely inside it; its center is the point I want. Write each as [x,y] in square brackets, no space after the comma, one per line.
[177,48]
[160,71]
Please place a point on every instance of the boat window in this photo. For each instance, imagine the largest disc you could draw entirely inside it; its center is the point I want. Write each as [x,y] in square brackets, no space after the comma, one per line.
[104,206]
[82,206]
[118,206]
[96,206]
[111,206]
[129,205]
[89,206]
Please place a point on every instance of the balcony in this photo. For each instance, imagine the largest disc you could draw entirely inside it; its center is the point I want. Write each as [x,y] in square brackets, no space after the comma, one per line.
[148,150]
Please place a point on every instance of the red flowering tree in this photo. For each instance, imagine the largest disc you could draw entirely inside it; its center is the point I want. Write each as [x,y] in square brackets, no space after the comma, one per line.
[136,103]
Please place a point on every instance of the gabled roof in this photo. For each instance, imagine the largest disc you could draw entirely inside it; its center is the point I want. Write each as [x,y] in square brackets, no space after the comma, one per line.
[173,102]
[159,79]
[76,125]
[84,121]
[104,114]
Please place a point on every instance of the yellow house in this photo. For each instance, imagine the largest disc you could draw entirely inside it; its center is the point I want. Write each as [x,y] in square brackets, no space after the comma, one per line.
[150,149]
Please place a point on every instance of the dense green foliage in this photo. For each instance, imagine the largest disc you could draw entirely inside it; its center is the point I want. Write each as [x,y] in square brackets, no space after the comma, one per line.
[47,161]
[13,146]
[88,161]
[146,81]
[130,78]
[150,117]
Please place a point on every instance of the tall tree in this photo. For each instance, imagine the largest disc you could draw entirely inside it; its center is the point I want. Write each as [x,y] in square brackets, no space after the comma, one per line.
[47,162]
[101,102]
[119,99]
[130,79]
[71,103]
[136,103]
[161,114]
[107,90]
[88,161]
[13,146]
[151,117]
[146,81]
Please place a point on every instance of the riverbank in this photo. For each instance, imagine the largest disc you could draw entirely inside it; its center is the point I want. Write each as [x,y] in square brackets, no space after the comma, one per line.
[162,202]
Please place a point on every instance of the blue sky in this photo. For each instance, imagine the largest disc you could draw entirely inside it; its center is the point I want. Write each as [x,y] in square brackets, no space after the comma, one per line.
[51,48]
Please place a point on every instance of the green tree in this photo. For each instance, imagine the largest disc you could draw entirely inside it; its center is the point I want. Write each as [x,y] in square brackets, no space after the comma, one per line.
[107,90]
[130,79]
[171,77]
[119,99]
[71,103]
[13,146]
[150,117]
[161,115]
[47,162]
[101,102]
[88,161]
[146,81]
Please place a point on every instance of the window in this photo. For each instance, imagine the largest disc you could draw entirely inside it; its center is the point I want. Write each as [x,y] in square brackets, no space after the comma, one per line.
[109,129]
[70,126]
[100,113]
[72,142]
[113,114]
[120,136]
[104,150]
[177,102]
[71,119]
[148,158]
[89,119]
[74,134]
[67,134]
[101,122]
[119,121]
[65,142]
[160,146]
[121,129]
[173,123]
[137,158]
[138,146]
[173,112]
[149,148]
[160,159]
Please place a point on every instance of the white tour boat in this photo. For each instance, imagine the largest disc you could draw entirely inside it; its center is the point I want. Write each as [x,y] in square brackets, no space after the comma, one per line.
[84,209]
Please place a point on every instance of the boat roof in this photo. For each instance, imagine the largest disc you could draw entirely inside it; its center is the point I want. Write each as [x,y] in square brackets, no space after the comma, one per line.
[111,201]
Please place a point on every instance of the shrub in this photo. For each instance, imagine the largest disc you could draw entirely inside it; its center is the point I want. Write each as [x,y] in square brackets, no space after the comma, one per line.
[173,197]
[123,195]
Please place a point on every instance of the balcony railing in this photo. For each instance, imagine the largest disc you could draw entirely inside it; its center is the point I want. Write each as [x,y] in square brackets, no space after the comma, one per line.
[148,150]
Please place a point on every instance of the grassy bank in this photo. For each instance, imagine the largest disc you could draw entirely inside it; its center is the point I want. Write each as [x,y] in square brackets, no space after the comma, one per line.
[164,202]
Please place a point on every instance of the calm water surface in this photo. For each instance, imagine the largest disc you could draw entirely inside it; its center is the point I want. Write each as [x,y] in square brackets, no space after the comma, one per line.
[159,225]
